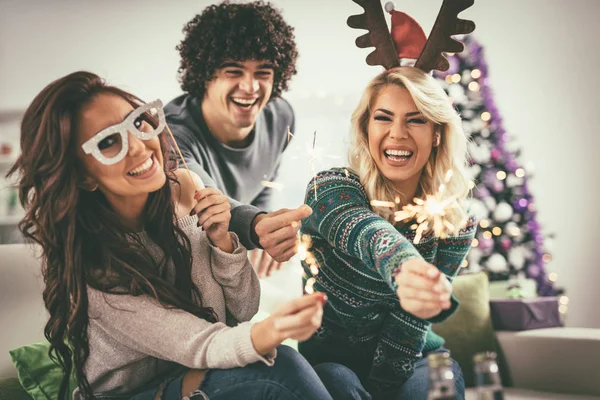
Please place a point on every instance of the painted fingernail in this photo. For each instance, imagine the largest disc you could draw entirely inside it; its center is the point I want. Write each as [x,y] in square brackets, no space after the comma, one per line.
[197,196]
[324,298]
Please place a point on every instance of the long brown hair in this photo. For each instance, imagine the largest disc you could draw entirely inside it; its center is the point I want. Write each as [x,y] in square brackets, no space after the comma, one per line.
[84,242]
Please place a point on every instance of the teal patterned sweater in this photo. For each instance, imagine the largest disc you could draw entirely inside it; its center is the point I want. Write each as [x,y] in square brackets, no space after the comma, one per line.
[356,251]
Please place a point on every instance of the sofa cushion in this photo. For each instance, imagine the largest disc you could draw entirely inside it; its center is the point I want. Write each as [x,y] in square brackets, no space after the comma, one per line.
[38,374]
[22,311]
[469,330]
[10,388]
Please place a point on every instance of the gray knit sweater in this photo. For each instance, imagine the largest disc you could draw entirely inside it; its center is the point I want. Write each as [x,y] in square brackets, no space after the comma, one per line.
[134,341]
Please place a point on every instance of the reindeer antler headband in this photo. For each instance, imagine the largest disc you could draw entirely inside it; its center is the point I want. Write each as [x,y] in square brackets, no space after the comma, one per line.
[407,39]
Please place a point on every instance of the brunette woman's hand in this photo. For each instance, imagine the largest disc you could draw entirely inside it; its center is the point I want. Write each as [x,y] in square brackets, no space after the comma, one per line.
[423,290]
[297,319]
[214,213]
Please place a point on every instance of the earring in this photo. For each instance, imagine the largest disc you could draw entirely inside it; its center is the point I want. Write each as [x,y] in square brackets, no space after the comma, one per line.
[436,139]
[88,187]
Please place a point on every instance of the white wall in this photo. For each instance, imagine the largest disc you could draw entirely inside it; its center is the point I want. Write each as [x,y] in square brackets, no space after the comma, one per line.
[542,56]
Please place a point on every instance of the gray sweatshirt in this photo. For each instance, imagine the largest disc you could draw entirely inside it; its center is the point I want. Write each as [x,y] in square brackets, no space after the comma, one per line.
[237,172]
[135,341]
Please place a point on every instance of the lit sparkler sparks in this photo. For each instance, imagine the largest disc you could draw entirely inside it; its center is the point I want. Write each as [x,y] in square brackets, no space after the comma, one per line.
[381,203]
[304,254]
[273,185]
[430,213]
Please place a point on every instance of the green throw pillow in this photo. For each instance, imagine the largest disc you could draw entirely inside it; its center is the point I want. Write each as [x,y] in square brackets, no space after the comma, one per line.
[469,330]
[38,374]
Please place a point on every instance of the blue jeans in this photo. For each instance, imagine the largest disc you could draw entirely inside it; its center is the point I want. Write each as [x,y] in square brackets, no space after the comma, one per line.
[291,378]
[343,384]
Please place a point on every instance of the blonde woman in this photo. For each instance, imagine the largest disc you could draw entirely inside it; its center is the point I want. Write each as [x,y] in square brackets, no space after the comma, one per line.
[384,291]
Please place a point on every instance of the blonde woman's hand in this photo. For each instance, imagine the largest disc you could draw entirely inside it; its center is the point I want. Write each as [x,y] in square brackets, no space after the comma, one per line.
[422,289]
[297,319]
[214,213]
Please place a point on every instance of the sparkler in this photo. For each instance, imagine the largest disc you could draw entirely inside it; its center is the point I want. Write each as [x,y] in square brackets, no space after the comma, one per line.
[431,213]
[311,162]
[273,185]
[315,155]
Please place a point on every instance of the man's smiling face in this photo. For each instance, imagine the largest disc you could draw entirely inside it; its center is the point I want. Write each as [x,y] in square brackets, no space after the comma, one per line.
[238,92]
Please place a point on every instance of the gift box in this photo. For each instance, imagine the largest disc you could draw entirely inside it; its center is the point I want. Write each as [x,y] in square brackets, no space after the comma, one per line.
[502,289]
[525,314]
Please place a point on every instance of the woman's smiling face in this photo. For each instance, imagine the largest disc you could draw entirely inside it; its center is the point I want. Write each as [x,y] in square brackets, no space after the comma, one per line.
[400,137]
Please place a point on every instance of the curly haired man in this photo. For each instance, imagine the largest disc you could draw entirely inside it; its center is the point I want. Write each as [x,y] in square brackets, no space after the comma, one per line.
[231,123]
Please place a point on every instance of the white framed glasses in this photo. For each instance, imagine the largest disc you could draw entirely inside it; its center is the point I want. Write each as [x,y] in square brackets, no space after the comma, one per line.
[110,145]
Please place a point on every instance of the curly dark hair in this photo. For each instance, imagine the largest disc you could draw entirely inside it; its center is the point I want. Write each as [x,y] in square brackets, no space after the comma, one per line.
[237,32]
[84,241]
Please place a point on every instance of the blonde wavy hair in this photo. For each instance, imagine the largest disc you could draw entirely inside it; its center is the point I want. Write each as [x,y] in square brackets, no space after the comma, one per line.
[450,155]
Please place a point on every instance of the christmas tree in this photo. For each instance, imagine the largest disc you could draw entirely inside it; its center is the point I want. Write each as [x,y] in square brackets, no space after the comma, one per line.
[509,240]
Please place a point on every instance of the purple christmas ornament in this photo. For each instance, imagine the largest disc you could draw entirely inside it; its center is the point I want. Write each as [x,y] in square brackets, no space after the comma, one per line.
[505,243]
[486,244]
[495,154]
[533,271]
[521,204]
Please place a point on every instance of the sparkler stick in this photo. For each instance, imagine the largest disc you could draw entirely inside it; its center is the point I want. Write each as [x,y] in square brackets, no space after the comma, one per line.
[181,156]
[312,163]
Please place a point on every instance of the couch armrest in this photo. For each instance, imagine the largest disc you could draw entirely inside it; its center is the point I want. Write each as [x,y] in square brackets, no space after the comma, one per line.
[559,360]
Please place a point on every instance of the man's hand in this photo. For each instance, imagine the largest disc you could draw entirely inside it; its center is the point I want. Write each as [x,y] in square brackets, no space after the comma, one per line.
[422,289]
[263,263]
[277,231]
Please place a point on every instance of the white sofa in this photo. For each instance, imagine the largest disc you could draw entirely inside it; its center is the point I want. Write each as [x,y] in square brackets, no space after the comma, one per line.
[543,364]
